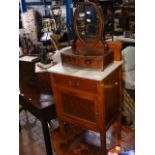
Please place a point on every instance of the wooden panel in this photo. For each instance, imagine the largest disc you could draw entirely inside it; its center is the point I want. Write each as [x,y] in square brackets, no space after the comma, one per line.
[44,83]
[68,59]
[27,76]
[90,62]
[116,46]
[112,98]
[75,83]
[78,107]
[108,58]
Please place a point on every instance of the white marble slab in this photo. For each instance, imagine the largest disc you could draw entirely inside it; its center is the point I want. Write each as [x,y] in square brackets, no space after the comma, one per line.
[39,67]
[28,58]
[122,38]
[85,73]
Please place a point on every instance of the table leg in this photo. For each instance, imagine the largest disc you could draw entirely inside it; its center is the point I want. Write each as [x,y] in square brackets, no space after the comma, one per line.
[47,138]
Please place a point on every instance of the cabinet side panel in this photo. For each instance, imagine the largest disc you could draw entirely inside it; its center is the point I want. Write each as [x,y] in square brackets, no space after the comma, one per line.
[112,96]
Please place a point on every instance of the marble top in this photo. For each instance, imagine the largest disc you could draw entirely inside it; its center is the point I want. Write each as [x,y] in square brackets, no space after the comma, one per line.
[122,38]
[86,73]
[28,58]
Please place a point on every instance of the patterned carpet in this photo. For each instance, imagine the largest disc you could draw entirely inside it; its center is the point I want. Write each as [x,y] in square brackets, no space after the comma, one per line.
[32,142]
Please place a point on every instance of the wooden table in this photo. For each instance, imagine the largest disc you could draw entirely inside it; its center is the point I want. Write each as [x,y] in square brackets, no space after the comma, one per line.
[35,96]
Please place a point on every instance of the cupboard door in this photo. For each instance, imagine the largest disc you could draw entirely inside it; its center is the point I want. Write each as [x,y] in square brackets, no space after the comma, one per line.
[112,95]
[78,108]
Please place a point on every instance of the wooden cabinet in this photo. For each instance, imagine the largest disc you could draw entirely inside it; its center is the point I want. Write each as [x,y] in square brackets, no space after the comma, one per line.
[112,95]
[89,103]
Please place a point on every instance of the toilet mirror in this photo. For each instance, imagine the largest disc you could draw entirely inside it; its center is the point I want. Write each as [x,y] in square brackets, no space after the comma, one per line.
[88,23]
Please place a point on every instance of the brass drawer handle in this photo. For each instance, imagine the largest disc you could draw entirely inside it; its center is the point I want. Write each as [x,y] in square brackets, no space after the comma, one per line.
[97,114]
[110,86]
[116,83]
[72,84]
[77,84]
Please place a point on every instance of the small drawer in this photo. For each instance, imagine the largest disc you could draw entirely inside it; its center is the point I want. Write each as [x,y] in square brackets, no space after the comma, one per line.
[76,83]
[68,59]
[90,61]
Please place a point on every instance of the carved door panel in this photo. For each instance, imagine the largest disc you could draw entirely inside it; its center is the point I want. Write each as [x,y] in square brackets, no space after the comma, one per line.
[78,108]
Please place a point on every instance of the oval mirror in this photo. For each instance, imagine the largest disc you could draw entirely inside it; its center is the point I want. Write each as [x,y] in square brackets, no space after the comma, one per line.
[88,23]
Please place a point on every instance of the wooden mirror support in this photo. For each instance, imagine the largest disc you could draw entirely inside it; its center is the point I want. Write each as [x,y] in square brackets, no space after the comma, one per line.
[89,49]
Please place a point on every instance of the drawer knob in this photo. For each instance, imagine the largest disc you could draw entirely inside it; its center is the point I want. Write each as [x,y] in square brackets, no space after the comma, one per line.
[97,114]
[71,83]
[116,83]
[77,84]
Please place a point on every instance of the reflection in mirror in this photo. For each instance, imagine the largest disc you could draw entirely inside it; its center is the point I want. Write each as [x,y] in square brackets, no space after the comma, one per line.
[87,24]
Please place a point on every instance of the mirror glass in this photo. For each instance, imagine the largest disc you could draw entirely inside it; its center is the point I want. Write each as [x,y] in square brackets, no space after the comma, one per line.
[88,23]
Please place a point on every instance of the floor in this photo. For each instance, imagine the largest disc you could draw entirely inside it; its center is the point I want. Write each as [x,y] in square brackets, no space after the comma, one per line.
[31,140]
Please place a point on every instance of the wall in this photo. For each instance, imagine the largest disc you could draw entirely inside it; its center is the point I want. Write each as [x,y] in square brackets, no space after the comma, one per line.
[41,8]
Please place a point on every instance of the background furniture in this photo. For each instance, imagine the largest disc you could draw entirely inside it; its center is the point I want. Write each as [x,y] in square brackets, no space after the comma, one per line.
[35,96]
[128,55]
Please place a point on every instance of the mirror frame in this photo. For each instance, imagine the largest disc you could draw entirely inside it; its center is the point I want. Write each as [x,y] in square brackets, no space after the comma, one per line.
[101,24]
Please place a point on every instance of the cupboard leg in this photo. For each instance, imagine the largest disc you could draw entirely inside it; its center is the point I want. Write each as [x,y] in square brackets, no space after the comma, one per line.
[119,128]
[62,128]
[103,143]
